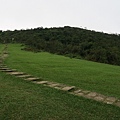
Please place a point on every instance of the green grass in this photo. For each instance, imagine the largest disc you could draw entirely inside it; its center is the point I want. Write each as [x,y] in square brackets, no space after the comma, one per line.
[22,100]
[1,48]
[102,78]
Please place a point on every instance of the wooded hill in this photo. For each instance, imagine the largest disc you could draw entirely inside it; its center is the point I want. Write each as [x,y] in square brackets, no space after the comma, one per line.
[69,41]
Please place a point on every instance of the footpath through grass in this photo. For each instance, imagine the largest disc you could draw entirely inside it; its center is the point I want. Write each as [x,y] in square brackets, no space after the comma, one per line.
[102,78]
[1,48]
[22,100]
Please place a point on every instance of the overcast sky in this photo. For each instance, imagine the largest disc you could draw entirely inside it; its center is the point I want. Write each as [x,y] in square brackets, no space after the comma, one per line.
[98,15]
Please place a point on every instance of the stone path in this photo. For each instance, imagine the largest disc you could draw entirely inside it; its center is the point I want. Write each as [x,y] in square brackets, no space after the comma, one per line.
[70,89]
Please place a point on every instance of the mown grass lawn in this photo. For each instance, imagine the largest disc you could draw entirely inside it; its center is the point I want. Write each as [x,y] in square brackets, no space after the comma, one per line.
[22,100]
[102,78]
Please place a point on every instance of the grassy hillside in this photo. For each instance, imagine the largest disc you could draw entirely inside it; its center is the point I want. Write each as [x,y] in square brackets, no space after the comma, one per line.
[102,78]
[22,100]
[68,41]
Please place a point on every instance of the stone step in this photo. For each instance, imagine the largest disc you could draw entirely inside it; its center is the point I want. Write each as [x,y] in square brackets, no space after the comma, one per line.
[117,103]
[24,76]
[16,73]
[32,79]
[54,85]
[77,91]
[41,82]
[8,70]
[92,94]
[110,100]
[80,92]
[100,97]
[4,68]
[51,84]
[68,88]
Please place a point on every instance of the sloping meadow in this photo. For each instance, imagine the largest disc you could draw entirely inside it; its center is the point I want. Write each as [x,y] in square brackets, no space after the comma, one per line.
[24,100]
[101,78]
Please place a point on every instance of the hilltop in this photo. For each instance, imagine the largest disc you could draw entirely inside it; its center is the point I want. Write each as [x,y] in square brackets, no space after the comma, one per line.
[69,41]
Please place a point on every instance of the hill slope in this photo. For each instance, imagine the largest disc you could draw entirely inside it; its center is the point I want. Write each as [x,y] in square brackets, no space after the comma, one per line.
[70,41]
[102,78]
[21,100]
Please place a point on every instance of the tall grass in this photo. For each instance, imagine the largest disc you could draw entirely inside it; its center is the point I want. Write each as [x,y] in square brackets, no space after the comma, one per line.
[102,78]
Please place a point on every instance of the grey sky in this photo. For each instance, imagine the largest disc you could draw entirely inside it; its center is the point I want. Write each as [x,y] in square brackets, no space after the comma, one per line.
[99,15]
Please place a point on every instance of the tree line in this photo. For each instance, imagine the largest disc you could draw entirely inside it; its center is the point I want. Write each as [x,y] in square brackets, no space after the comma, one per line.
[69,41]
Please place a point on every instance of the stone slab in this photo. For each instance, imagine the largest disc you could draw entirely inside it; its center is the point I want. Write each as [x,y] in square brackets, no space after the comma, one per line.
[24,76]
[7,71]
[80,94]
[32,79]
[117,103]
[5,55]
[41,82]
[54,85]
[92,94]
[57,86]
[16,73]
[77,91]
[111,99]
[67,88]
[99,98]
[4,68]
[49,83]
[86,92]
